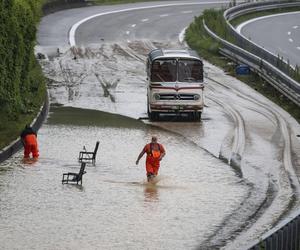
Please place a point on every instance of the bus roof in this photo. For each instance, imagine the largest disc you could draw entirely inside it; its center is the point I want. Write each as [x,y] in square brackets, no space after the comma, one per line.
[172,53]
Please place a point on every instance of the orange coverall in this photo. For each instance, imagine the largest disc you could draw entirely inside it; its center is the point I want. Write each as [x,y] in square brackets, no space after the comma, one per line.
[152,160]
[30,146]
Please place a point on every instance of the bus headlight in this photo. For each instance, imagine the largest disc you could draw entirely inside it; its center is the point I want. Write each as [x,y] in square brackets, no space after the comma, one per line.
[196,97]
[156,96]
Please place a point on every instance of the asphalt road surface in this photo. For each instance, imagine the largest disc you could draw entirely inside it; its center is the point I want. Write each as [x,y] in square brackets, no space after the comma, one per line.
[225,181]
[279,34]
[54,29]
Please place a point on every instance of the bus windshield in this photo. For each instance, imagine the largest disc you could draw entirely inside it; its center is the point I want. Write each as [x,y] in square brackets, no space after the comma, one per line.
[190,71]
[164,71]
[181,70]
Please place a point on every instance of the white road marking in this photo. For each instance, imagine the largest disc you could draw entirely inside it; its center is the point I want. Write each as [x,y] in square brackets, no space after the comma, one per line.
[182,35]
[76,25]
[164,15]
[295,27]
[291,40]
[133,25]
[187,12]
[289,33]
[127,32]
[242,25]
[145,20]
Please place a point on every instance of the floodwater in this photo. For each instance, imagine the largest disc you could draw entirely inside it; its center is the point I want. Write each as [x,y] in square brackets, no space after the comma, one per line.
[224,182]
[114,208]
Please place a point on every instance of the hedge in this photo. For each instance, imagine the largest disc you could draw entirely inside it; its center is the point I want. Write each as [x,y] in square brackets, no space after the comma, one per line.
[22,85]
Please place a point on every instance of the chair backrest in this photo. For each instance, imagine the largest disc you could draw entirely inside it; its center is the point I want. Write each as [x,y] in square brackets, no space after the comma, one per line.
[96,149]
[81,171]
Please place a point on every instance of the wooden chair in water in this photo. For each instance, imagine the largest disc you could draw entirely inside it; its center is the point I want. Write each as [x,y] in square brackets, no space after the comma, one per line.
[74,177]
[89,156]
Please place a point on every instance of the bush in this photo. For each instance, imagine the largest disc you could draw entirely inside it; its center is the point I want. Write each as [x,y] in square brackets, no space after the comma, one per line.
[21,79]
[18,33]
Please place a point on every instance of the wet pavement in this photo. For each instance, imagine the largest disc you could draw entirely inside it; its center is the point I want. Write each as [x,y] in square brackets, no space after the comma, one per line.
[224,182]
[115,208]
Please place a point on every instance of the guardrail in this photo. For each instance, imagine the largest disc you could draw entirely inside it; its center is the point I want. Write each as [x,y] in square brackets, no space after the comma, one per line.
[281,81]
[266,65]
[285,236]
[249,46]
[245,43]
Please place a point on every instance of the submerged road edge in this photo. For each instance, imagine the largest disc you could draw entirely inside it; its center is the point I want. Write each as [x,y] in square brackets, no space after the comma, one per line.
[36,124]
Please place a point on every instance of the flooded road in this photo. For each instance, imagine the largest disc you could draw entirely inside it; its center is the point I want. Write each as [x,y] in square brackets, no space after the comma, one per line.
[224,182]
[251,137]
[115,208]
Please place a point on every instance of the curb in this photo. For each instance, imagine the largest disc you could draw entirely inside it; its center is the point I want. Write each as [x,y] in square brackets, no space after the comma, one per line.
[16,145]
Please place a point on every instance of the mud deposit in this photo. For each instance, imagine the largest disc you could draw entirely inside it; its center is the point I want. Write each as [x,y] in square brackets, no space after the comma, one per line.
[115,208]
[224,182]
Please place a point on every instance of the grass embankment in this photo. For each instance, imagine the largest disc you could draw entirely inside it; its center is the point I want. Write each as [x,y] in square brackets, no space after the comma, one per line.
[198,39]
[22,85]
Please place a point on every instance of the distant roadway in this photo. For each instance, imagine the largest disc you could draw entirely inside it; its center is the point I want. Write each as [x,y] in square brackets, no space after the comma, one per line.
[279,34]
[165,23]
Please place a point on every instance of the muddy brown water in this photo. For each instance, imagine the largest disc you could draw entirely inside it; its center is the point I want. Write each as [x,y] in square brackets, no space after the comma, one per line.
[114,208]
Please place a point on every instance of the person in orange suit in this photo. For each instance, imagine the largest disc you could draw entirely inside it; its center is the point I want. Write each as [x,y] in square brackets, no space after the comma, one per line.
[155,152]
[29,141]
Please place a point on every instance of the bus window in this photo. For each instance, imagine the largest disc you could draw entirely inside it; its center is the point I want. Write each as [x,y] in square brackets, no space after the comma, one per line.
[190,71]
[163,71]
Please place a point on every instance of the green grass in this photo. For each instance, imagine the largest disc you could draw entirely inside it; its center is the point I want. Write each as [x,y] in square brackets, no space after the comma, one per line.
[11,126]
[198,39]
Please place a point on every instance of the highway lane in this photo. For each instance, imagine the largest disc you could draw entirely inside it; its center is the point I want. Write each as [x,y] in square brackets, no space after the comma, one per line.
[54,29]
[157,24]
[282,30]
[247,124]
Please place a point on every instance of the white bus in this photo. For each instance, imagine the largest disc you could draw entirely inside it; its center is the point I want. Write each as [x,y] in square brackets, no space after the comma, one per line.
[175,83]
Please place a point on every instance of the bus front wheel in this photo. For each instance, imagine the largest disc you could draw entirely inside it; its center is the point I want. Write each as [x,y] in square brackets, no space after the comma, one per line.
[195,116]
[153,116]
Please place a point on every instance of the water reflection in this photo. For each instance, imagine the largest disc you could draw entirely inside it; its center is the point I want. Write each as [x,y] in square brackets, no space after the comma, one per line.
[108,211]
[71,186]
[151,193]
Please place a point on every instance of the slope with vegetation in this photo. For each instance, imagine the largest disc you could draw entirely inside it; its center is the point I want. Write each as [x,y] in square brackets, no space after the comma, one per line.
[22,86]
[199,40]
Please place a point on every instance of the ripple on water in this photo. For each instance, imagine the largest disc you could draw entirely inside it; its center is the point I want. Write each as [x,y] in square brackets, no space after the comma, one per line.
[115,208]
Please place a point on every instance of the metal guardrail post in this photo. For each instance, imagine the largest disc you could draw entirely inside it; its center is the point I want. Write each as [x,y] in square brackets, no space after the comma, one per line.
[286,235]
[247,44]
[282,82]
